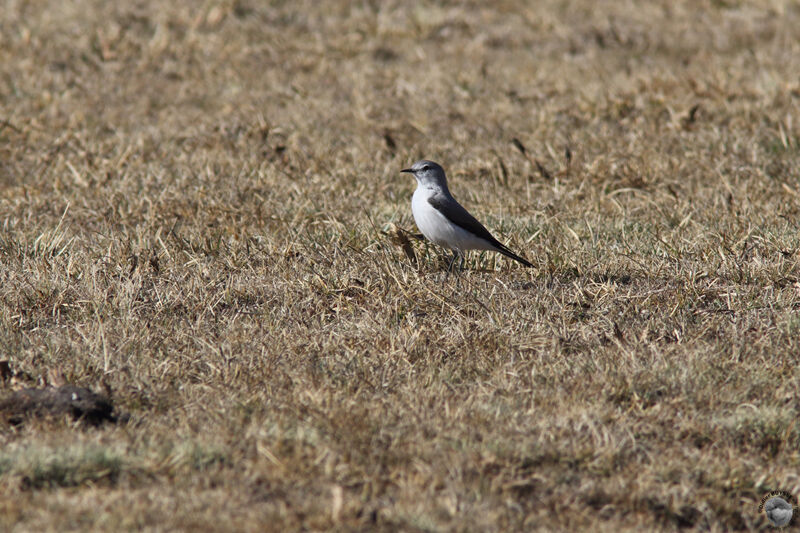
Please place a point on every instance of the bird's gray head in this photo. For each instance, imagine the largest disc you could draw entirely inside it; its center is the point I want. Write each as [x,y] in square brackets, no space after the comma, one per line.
[428,174]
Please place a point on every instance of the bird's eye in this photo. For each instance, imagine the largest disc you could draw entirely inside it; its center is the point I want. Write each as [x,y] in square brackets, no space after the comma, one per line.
[426,167]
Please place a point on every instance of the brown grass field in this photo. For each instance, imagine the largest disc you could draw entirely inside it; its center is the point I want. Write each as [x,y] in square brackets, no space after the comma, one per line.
[200,207]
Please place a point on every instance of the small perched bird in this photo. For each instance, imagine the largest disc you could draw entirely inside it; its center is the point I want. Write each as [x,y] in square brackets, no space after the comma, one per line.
[779,511]
[442,219]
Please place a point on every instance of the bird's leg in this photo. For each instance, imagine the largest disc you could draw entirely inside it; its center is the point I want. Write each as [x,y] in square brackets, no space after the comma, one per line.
[452,262]
[463,258]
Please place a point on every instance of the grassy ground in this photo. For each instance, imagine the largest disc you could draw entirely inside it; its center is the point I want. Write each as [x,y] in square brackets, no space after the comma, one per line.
[198,204]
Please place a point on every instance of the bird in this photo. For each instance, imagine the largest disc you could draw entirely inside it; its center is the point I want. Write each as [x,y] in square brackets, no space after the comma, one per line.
[443,221]
[779,511]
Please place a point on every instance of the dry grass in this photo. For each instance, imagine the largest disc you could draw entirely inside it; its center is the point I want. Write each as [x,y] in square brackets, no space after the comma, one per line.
[176,227]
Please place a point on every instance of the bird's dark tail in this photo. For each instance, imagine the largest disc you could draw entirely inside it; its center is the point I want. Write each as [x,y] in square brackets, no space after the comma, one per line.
[508,253]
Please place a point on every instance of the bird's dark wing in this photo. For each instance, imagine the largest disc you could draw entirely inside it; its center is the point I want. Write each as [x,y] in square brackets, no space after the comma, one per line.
[455,213]
[459,216]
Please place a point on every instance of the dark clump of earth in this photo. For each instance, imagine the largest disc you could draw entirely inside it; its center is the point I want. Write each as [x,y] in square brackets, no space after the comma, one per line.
[78,402]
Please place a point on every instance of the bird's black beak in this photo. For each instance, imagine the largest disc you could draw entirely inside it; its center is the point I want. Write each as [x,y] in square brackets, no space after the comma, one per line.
[407,170]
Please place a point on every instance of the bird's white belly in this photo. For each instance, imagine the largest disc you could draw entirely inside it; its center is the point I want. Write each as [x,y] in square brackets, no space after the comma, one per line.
[438,229]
